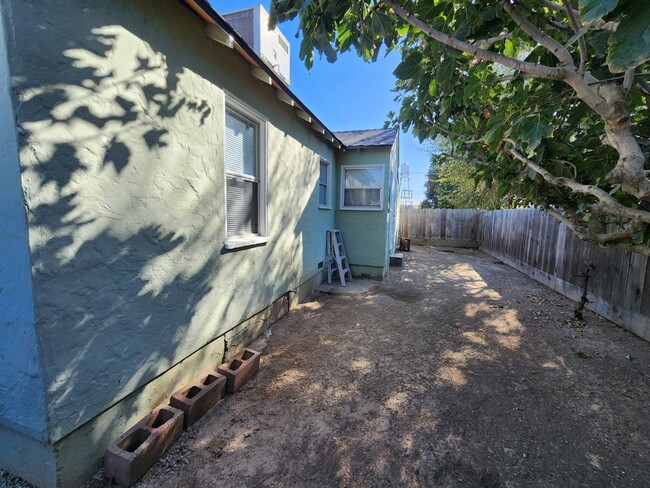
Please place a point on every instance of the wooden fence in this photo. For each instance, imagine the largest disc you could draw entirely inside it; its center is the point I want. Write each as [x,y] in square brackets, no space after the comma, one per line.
[538,245]
[438,226]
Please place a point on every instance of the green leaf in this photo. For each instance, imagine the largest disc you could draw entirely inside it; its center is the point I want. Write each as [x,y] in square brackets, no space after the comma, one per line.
[409,67]
[503,189]
[593,9]
[376,25]
[534,134]
[445,108]
[629,46]
[445,75]
[494,135]
[488,14]
[433,87]
[402,30]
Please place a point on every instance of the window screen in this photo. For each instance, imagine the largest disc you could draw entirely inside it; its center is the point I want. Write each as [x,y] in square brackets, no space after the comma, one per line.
[241,206]
[241,145]
[362,187]
[323,184]
[242,183]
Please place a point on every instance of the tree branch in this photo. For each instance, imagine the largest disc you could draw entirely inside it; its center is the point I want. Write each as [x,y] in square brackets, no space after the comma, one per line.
[628,80]
[556,48]
[537,70]
[606,202]
[606,99]
[576,22]
[492,40]
[583,233]
[559,25]
[622,77]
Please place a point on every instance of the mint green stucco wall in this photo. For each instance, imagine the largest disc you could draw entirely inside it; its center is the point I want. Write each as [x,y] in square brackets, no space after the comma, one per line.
[392,240]
[365,231]
[120,110]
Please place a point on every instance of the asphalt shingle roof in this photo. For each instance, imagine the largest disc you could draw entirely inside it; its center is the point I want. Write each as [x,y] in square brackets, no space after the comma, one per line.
[367,138]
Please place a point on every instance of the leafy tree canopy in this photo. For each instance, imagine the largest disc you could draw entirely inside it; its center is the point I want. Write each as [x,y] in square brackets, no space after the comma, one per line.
[549,97]
[452,183]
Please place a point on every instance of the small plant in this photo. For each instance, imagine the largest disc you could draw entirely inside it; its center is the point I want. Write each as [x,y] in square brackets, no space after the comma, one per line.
[577,312]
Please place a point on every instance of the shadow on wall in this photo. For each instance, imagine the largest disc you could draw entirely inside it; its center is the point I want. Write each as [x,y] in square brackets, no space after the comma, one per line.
[125,200]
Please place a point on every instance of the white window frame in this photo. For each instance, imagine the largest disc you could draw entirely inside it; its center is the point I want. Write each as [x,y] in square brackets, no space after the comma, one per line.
[342,205]
[328,187]
[246,240]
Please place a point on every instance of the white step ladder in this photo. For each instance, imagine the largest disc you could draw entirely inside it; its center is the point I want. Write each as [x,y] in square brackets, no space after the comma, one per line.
[337,260]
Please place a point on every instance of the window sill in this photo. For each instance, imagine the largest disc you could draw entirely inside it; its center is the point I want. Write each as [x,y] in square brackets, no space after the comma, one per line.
[325,207]
[239,242]
[365,209]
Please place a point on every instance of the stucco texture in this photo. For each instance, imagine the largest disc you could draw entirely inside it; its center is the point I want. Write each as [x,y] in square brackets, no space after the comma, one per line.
[22,396]
[120,106]
[365,232]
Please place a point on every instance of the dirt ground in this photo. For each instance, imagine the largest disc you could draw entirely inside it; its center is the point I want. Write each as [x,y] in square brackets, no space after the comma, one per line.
[455,371]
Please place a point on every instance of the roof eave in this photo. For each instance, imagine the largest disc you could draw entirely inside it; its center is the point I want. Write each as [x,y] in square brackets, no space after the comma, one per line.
[373,146]
[204,10]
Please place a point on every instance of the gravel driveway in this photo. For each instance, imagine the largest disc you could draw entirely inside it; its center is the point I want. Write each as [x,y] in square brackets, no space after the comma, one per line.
[455,371]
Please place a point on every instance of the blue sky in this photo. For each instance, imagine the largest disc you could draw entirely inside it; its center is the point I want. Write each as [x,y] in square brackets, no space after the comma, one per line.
[348,94]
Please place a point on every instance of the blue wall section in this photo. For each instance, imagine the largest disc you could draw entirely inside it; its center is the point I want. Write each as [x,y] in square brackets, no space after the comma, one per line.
[22,399]
[21,405]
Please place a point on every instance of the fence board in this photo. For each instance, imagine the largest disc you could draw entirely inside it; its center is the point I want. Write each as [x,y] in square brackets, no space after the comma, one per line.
[636,275]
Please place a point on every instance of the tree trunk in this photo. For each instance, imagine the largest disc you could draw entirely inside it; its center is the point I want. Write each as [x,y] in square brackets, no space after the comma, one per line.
[608,101]
[629,171]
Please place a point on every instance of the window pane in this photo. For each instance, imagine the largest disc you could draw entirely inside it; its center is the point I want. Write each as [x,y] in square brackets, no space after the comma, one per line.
[362,198]
[240,145]
[241,207]
[322,194]
[323,173]
[363,178]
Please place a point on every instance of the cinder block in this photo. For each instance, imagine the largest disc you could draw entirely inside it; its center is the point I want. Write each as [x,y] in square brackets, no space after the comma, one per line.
[240,369]
[199,396]
[129,457]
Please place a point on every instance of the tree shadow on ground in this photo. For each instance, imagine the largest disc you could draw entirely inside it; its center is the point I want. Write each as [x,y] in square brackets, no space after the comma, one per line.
[466,383]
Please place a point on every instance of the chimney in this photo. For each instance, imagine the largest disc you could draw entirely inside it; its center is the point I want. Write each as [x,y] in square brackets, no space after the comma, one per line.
[271,45]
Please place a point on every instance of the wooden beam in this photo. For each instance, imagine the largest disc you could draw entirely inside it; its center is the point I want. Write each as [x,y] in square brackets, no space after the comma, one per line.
[284,97]
[318,128]
[260,74]
[216,33]
[303,115]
